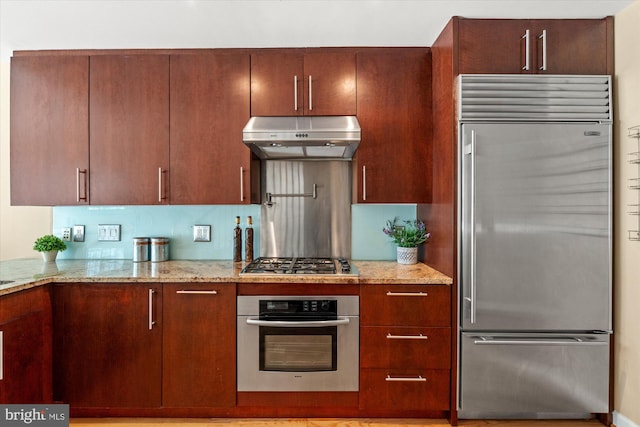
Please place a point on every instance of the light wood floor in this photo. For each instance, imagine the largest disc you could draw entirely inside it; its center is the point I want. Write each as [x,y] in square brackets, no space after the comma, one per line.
[313,422]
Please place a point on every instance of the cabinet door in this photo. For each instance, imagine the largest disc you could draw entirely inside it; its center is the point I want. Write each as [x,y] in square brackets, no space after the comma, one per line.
[129,129]
[571,46]
[495,46]
[209,108]
[25,347]
[393,160]
[276,84]
[110,342]
[199,345]
[330,84]
[554,46]
[49,130]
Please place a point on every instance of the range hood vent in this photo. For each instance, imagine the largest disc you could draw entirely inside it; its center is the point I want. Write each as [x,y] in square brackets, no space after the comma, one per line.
[320,138]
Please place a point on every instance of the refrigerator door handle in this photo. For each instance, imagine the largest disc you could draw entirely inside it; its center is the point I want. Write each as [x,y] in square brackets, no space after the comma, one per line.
[546,341]
[472,230]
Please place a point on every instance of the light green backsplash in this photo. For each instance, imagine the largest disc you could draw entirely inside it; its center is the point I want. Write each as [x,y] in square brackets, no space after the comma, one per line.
[174,222]
[368,242]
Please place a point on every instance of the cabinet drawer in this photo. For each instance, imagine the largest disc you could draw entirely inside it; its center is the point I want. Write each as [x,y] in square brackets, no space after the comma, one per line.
[404,390]
[401,348]
[407,305]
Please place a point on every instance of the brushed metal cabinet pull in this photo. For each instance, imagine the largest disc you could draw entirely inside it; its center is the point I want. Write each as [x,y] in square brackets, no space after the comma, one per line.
[186,291]
[1,357]
[310,93]
[527,49]
[419,378]
[295,93]
[241,184]
[407,294]
[407,337]
[151,322]
[364,183]
[543,36]
[161,195]
[78,172]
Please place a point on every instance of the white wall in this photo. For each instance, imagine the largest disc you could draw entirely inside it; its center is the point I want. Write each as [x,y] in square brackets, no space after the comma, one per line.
[627,253]
[19,226]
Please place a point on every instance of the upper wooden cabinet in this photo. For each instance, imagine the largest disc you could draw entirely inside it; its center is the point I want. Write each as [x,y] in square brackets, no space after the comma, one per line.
[49,130]
[294,84]
[511,46]
[393,160]
[129,129]
[209,107]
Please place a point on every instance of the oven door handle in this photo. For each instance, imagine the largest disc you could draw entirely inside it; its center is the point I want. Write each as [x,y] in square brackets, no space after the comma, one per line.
[296,324]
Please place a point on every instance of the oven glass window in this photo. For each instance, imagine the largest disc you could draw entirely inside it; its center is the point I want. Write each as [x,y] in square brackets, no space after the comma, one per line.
[298,349]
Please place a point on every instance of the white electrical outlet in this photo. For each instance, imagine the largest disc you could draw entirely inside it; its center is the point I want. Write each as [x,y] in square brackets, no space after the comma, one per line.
[201,233]
[66,234]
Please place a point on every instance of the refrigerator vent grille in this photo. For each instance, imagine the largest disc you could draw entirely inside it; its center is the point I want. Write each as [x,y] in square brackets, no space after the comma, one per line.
[534,98]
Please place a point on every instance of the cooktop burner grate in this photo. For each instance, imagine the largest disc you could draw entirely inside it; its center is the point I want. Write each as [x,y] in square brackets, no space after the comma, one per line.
[296,266]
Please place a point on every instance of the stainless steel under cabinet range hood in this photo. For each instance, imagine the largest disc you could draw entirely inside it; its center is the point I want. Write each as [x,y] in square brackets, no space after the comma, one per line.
[320,138]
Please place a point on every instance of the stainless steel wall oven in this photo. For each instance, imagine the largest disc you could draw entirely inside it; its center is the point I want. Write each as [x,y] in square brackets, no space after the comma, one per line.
[298,343]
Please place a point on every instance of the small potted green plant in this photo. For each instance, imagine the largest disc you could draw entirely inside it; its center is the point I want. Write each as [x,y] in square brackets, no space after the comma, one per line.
[408,237]
[48,246]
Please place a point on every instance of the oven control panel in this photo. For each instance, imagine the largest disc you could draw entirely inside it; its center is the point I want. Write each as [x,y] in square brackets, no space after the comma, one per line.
[298,308]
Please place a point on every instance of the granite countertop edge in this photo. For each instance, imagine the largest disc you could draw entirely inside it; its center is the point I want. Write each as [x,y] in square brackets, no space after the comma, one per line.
[27,273]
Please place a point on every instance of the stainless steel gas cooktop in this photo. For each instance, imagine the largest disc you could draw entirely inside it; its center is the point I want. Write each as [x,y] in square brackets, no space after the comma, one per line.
[279,265]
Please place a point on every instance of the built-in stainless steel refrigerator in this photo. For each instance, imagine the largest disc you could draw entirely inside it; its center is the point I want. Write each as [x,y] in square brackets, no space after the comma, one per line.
[535,248]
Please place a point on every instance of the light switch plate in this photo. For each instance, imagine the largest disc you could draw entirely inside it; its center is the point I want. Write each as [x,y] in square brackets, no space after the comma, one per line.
[78,233]
[108,232]
[201,233]
[66,234]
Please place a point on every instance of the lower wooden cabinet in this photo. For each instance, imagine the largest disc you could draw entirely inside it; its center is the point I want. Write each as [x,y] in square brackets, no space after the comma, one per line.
[138,345]
[405,349]
[25,347]
[199,345]
[108,345]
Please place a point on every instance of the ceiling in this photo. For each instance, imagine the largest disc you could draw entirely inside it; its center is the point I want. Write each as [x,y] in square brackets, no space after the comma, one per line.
[117,24]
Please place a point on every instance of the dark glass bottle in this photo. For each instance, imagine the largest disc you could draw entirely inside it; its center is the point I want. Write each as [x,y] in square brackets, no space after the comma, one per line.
[237,241]
[248,248]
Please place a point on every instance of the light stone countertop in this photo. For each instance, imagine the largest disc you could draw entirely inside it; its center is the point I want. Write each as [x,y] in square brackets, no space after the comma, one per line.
[31,272]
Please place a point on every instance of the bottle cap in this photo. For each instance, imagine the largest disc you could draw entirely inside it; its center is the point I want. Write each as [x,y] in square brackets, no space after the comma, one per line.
[249,220]
[237,220]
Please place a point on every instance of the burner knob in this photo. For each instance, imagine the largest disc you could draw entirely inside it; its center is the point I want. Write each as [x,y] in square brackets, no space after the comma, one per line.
[324,306]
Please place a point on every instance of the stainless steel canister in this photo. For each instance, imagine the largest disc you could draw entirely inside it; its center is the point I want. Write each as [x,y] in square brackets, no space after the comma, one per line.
[141,249]
[159,249]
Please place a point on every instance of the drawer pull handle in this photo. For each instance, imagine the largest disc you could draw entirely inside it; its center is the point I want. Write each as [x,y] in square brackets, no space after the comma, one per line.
[407,337]
[197,292]
[406,294]
[419,378]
